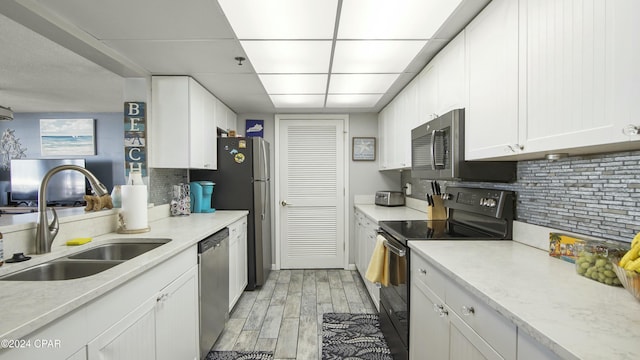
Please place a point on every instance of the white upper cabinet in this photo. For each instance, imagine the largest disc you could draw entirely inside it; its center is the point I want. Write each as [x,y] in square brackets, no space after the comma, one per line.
[225,117]
[450,70]
[623,73]
[491,117]
[439,88]
[387,130]
[563,70]
[579,67]
[577,79]
[535,77]
[231,120]
[184,123]
[407,119]
[183,127]
[428,94]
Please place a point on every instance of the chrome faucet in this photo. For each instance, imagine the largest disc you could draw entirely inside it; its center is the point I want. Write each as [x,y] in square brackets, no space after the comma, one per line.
[46,232]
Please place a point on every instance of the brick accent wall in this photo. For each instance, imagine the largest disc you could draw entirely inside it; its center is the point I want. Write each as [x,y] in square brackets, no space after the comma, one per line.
[597,195]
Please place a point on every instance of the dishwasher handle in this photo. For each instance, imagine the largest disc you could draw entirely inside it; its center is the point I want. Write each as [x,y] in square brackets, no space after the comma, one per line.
[213,241]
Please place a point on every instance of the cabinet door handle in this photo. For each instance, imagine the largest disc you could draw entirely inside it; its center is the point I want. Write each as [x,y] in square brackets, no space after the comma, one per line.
[468,310]
[515,148]
[162,297]
[440,309]
[631,130]
[422,271]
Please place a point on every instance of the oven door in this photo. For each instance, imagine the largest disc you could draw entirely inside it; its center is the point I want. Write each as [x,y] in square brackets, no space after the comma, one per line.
[394,299]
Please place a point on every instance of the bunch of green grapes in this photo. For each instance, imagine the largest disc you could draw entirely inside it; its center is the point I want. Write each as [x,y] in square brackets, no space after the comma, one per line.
[596,267]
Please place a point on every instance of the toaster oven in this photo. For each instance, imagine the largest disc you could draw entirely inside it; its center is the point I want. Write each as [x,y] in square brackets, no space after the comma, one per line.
[390,198]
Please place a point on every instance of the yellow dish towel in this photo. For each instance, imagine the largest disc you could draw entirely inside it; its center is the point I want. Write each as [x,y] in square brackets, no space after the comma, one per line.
[378,270]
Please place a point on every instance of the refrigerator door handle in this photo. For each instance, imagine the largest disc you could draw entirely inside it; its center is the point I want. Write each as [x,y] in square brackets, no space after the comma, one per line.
[266,161]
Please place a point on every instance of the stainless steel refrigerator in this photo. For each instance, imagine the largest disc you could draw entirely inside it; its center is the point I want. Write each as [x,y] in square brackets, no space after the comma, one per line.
[242,183]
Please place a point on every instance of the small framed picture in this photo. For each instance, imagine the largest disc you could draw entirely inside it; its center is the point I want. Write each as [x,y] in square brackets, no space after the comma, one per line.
[363,149]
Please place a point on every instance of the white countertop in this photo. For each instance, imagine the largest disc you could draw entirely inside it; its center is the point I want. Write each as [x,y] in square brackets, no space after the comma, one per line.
[390,213]
[29,305]
[576,317]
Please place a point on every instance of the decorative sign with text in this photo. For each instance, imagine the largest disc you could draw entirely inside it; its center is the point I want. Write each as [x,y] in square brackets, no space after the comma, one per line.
[135,144]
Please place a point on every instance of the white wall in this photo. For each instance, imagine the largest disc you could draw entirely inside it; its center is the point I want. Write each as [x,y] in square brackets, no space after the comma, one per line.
[364,177]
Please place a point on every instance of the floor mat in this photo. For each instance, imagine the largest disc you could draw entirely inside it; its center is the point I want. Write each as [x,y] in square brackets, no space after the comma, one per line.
[239,355]
[353,336]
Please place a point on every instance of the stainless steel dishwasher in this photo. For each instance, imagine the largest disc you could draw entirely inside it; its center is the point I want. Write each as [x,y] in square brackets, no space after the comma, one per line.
[213,275]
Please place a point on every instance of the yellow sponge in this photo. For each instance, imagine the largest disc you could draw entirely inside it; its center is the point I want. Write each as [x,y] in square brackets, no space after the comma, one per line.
[78,241]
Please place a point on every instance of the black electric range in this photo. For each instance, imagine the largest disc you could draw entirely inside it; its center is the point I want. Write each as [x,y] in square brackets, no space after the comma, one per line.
[474,214]
[421,230]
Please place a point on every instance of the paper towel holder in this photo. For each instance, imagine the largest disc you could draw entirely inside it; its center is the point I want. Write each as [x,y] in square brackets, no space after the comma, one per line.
[122,227]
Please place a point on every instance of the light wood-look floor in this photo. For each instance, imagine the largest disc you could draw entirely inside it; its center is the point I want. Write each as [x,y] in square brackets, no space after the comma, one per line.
[285,315]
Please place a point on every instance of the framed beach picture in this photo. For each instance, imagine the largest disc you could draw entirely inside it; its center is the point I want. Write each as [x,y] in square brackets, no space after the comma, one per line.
[363,149]
[65,137]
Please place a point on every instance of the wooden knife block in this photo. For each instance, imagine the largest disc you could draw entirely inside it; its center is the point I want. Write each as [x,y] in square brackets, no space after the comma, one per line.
[437,211]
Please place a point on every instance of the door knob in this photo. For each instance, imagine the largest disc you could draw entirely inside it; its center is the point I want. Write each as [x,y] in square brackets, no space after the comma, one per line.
[283,203]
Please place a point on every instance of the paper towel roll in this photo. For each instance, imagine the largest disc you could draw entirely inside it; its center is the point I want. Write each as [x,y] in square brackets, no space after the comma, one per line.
[134,207]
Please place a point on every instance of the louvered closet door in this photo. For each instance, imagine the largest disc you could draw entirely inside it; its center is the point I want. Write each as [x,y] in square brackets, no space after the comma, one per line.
[311,194]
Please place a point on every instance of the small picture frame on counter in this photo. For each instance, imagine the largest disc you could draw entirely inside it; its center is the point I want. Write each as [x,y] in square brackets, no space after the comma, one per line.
[363,149]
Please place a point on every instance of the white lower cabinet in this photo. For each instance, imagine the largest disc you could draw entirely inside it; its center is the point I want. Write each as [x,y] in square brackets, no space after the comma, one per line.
[178,304]
[365,234]
[429,332]
[150,331]
[152,316]
[447,322]
[237,260]
[133,337]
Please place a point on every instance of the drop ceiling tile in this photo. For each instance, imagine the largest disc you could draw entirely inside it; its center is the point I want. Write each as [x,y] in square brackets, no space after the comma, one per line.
[231,85]
[297,101]
[352,100]
[251,103]
[183,57]
[360,83]
[144,19]
[294,83]
[406,19]
[374,56]
[289,57]
[281,19]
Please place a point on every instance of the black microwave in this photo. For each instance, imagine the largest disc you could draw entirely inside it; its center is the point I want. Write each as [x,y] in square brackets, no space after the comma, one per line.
[437,153]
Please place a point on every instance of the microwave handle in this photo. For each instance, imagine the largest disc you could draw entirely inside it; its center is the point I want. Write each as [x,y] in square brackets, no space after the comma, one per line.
[433,150]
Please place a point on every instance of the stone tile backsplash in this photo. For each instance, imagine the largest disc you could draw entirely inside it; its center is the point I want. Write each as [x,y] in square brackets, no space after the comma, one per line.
[162,181]
[596,195]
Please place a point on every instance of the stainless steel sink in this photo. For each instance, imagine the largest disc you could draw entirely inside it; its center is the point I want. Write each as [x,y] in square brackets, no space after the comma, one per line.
[88,262]
[63,269]
[119,250]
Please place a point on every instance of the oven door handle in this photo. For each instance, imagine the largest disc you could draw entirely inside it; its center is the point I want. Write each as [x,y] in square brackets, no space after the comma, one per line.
[387,244]
[393,249]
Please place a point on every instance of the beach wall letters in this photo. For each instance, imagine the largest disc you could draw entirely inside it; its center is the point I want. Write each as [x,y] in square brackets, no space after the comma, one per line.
[135,144]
